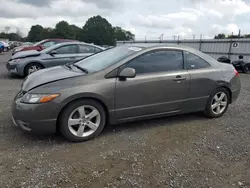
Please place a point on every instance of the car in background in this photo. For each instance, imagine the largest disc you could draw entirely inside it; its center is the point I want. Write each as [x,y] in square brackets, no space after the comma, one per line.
[122,84]
[6,46]
[1,47]
[39,46]
[26,62]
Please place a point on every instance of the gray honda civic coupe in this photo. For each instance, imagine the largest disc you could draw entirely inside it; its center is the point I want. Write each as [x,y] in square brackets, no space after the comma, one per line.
[27,62]
[122,84]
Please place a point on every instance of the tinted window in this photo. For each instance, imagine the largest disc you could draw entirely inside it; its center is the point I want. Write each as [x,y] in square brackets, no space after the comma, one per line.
[88,49]
[158,61]
[69,49]
[195,62]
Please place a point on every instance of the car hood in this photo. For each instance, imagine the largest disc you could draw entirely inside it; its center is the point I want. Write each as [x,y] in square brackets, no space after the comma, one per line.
[23,54]
[48,75]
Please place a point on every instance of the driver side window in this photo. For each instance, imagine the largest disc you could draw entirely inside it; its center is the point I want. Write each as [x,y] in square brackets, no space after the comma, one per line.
[158,61]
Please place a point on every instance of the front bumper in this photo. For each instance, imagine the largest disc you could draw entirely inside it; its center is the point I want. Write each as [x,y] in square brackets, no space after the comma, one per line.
[12,68]
[36,118]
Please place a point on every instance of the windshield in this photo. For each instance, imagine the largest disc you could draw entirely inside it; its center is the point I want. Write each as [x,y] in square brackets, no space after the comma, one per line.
[107,58]
[38,43]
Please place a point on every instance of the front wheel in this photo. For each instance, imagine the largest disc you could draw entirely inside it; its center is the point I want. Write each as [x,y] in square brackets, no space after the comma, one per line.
[82,120]
[246,69]
[217,103]
[31,68]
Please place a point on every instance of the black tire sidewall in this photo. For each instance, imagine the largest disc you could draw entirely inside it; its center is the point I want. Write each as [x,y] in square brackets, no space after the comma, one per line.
[208,111]
[26,69]
[63,119]
[248,65]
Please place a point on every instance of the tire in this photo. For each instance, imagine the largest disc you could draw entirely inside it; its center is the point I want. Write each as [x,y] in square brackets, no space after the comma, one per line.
[29,66]
[71,110]
[246,69]
[210,111]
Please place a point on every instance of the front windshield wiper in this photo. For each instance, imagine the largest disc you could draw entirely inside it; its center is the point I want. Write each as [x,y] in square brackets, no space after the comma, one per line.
[68,65]
[81,68]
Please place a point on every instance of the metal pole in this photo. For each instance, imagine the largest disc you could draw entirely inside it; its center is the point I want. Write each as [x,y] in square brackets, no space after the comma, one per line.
[230,46]
[178,39]
[200,42]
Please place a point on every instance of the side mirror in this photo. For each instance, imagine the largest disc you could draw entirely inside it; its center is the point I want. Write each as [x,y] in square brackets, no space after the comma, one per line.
[127,73]
[53,52]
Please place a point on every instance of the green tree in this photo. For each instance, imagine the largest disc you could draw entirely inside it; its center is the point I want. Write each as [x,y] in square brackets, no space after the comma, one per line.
[122,35]
[36,33]
[99,31]
[47,32]
[77,32]
[63,30]
[220,36]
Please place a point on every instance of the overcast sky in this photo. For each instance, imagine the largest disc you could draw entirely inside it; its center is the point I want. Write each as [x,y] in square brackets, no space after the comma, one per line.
[149,18]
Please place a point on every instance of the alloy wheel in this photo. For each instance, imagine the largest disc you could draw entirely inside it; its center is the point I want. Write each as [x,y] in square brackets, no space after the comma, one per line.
[33,69]
[219,103]
[247,69]
[84,121]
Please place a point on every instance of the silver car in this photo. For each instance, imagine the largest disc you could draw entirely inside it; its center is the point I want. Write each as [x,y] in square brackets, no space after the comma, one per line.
[122,84]
[27,62]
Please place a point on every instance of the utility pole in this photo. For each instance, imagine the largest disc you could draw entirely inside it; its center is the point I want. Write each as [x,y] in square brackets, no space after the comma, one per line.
[239,33]
[174,36]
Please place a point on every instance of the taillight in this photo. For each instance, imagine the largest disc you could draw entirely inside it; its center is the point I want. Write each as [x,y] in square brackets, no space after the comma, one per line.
[236,73]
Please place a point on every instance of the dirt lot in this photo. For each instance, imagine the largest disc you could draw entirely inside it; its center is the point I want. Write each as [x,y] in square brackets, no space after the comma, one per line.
[182,151]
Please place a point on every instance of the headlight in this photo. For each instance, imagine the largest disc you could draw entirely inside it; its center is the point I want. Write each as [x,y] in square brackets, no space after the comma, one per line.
[15,60]
[38,98]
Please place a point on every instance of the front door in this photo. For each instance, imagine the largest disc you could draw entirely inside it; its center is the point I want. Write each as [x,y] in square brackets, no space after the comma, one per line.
[63,55]
[160,86]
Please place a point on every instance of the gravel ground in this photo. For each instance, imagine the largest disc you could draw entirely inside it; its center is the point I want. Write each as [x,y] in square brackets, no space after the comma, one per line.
[181,151]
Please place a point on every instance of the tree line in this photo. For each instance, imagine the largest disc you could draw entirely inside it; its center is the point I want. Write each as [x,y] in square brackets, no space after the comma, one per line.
[224,36]
[96,30]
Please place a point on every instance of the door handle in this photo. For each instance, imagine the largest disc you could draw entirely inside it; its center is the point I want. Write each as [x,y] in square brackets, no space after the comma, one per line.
[179,78]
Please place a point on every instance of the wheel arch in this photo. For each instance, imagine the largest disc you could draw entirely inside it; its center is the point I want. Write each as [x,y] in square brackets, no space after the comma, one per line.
[229,91]
[77,98]
[32,62]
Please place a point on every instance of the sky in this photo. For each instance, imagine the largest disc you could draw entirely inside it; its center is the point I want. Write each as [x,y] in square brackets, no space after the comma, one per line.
[145,18]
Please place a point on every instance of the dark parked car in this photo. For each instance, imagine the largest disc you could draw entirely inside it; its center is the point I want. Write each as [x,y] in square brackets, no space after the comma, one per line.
[122,84]
[39,46]
[27,62]
[240,64]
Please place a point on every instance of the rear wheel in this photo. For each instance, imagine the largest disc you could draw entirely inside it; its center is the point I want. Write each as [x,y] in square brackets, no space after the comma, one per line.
[82,120]
[217,103]
[31,68]
[246,69]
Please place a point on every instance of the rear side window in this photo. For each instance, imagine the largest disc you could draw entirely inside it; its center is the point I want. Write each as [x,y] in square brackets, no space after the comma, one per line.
[88,49]
[195,62]
[69,49]
[158,61]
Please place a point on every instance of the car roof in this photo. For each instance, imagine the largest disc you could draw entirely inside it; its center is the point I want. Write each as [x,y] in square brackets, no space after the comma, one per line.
[75,42]
[60,39]
[152,45]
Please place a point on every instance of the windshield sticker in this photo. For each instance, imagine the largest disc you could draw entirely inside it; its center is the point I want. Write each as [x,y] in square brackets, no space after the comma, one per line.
[135,49]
